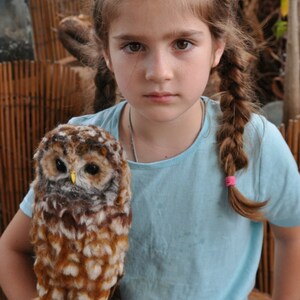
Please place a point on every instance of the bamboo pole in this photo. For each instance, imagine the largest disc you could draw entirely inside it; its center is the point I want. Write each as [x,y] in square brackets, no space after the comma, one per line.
[295,149]
[18,169]
[12,133]
[292,76]
[8,141]
[3,162]
[23,119]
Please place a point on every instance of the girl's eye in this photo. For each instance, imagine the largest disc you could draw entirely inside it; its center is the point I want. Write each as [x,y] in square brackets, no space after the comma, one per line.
[60,166]
[133,47]
[91,169]
[182,44]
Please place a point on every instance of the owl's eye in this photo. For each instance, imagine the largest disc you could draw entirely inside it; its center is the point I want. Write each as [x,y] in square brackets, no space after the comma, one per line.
[60,166]
[92,169]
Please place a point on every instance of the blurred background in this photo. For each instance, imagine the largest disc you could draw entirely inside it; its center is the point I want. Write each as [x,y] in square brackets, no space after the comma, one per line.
[15,31]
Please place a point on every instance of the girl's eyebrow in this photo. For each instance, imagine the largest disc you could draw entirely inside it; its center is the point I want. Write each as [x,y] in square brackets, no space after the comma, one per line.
[175,34]
[185,33]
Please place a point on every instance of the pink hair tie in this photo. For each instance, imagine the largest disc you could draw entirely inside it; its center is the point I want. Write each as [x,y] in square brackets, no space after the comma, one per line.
[230,180]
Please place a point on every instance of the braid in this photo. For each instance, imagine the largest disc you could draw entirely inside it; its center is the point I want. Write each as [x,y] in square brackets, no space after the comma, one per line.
[75,34]
[237,106]
[78,37]
[106,86]
[105,95]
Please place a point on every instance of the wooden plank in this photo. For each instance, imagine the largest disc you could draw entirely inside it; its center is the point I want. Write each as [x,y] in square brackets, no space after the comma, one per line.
[12,132]
[21,68]
[18,128]
[39,30]
[48,96]
[295,139]
[265,260]
[41,99]
[8,144]
[4,158]
[289,137]
[63,92]
[28,123]
[271,253]
[75,99]
[34,110]
[53,25]
[70,98]
[54,81]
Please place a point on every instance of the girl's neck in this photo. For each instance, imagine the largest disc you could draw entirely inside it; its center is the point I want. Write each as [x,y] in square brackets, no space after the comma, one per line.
[155,141]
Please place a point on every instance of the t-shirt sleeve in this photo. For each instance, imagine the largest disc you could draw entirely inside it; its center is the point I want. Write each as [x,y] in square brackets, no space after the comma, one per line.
[26,204]
[279,179]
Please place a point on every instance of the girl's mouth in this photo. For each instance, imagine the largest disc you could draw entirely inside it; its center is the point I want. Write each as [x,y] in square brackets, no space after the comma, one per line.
[160,97]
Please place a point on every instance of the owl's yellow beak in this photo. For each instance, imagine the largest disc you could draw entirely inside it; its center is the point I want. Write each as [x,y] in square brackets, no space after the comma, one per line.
[73,177]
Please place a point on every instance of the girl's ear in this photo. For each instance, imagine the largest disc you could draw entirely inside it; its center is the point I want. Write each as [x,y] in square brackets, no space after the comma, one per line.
[219,47]
[107,60]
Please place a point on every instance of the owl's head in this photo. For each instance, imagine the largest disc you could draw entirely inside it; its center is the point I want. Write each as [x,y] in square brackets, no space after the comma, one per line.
[81,159]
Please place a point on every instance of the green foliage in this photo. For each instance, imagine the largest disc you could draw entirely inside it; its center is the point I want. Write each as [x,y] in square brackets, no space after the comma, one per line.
[280,29]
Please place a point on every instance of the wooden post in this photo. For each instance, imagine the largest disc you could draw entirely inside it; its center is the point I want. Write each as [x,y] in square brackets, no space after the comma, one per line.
[292,79]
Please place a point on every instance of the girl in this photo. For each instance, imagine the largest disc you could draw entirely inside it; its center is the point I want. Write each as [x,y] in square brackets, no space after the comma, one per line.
[204,173]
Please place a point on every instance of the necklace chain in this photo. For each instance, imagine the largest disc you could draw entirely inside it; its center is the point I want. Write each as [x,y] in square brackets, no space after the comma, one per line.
[132,138]
[133,148]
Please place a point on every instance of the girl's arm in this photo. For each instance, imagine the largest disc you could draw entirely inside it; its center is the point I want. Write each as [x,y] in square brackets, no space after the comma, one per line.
[17,279]
[287,263]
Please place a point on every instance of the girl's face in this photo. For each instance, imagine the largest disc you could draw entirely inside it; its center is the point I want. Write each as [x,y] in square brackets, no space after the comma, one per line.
[161,56]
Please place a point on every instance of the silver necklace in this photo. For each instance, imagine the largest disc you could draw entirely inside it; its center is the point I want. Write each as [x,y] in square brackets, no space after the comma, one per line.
[132,143]
[131,138]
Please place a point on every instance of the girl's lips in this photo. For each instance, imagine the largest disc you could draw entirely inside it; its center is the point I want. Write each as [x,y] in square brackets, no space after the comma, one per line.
[161,97]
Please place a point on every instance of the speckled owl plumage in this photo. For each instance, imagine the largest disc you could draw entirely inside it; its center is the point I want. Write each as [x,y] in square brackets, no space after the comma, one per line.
[81,214]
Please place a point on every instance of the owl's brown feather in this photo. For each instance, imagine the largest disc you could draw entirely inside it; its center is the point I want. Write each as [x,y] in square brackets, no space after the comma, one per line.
[80,231]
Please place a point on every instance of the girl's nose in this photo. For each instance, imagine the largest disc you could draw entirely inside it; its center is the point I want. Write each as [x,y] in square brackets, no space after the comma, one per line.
[158,67]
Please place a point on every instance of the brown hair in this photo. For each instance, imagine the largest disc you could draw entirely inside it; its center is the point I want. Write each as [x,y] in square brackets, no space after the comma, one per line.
[237,96]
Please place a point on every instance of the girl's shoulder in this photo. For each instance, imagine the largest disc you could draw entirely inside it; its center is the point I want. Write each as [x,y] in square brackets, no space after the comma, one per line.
[258,126]
[262,130]
[100,117]
[107,119]
[261,137]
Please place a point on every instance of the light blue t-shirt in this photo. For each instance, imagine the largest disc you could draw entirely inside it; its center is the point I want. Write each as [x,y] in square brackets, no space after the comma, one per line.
[186,242]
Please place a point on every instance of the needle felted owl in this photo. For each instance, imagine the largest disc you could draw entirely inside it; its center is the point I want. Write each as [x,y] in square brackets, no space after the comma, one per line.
[81,214]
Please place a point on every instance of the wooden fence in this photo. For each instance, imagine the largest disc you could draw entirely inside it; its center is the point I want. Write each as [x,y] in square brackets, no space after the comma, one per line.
[292,137]
[34,98]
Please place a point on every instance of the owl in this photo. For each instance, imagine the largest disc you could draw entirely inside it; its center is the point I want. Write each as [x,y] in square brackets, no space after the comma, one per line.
[81,213]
